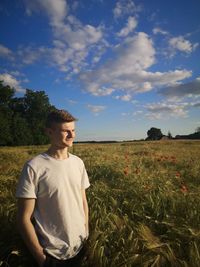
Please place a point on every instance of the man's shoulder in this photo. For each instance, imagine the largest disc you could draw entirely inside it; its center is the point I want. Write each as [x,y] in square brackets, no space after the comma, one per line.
[37,160]
[76,158]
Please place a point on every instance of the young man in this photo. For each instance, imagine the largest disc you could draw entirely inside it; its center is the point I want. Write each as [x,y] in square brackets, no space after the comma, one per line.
[52,205]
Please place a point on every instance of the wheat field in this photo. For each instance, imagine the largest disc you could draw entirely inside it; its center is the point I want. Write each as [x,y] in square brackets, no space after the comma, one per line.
[144,203]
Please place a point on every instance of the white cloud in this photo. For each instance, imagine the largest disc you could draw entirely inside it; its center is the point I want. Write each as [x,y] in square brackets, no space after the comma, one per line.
[125,114]
[158,30]
[26,54]
[96,59]
[181,44]
[29,55]
[130,26]
[78,37]
[16,73]
[96,109]
[71,101]
[138,112]
[5,52]
[159,79]
[181,90]
[165,110]
[129,70]
[78,41]
[125,7]
[55,10]
[126,97]
[10,80]
[133,55]
[73,41]
[94,89]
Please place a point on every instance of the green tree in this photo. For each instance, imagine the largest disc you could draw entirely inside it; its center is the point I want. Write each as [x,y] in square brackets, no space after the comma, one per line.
[5,126]
[37,106]
[17,105]
[22,119]
[169,135]
[22,134]
[6,94]
[154,134]
[198,130]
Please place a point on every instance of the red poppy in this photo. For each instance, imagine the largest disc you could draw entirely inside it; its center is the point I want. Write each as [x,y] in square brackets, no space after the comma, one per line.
[184,189]
[126,171]
[137,171]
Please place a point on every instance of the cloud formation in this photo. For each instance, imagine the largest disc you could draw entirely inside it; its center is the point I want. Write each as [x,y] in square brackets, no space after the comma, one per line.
[130,26]
[77,48]
[126,97]
[128,70]
[165,110]
[10,80]
[55,10]
[73,42]
[95,108]
[158,30]
[125,7]
[181,44]
[5,52]
[181,90]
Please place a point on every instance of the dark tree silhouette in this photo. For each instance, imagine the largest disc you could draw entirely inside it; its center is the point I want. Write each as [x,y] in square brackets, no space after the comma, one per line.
[154,134]
[22,119]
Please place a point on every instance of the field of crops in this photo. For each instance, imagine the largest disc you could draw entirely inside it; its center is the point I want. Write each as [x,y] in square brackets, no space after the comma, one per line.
[144,202]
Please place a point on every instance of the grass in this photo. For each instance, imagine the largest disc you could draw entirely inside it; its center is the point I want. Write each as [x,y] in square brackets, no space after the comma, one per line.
[144,204]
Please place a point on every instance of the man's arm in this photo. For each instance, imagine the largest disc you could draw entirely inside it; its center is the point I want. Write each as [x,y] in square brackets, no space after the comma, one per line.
[26,228]
[86,210]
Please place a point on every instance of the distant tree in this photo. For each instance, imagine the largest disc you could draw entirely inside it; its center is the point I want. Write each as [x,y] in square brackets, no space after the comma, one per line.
[154,134]
[169,135]
[198,130]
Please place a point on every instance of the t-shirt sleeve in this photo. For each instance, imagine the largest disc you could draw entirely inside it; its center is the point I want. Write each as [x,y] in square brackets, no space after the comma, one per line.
[85,180]
[27,184]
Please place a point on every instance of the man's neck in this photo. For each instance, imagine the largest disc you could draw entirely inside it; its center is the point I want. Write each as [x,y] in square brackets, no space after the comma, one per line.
[58,153]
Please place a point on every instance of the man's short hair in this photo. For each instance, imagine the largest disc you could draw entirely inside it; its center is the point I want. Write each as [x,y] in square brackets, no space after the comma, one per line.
[58,116]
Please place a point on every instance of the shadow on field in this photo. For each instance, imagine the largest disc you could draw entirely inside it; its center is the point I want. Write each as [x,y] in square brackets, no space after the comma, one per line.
[13,252]
[106,174]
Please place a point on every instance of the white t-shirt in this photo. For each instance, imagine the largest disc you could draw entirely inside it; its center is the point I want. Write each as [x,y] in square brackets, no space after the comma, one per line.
[59,217]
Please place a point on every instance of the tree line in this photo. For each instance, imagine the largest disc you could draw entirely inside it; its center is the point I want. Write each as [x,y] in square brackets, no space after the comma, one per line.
[156,134]
[22,119]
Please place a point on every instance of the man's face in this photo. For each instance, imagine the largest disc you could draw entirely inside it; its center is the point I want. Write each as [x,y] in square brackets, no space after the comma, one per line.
[62,134]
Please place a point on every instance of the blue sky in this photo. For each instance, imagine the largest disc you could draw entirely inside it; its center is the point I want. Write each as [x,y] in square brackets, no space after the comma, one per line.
[121,67]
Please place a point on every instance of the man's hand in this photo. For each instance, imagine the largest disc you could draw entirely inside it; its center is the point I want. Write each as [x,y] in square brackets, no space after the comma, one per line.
[41,259]
[86,211]
[25,210]
[87,229]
